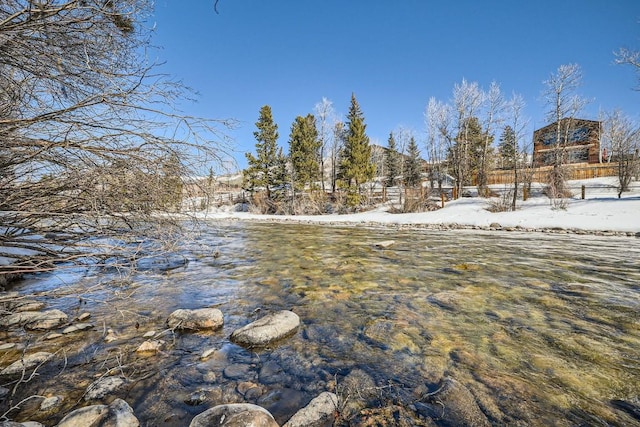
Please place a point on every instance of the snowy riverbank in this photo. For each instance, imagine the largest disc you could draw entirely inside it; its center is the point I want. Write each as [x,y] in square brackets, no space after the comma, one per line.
[600,211]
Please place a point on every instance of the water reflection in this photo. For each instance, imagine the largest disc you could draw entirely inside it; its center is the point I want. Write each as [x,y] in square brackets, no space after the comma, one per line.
[543,329]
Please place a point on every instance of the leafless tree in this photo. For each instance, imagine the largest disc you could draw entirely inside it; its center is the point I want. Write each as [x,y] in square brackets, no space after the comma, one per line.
[564,104]
[623,138]
[494,108]
[326,118]
[437,122]
[514,110]
[629,57]
[92,145]
[468,97]
[336,147]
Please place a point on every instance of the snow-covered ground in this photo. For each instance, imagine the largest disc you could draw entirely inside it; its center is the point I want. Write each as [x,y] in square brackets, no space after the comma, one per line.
[601,210]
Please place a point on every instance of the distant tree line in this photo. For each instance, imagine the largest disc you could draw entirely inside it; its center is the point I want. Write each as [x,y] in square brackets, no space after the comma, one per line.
[474,133]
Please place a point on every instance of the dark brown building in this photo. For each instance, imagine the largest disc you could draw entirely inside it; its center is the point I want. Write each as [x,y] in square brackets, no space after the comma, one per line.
[579,142]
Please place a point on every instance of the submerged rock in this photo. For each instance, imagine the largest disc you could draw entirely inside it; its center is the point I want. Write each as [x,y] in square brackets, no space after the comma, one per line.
[385,244]
[359,391]
[454,404]
[235,415]
[393,415]
[319,412]
[202,318]
[27,363]
[267,329]
[103,387]
[117,414]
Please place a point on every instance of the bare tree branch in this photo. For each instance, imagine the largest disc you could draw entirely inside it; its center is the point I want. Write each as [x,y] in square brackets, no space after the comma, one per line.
[93,145]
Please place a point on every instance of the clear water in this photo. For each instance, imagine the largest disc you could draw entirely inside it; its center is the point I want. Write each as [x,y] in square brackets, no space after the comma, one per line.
[542,329]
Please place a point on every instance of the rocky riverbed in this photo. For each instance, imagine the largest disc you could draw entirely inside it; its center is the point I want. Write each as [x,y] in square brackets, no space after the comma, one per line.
[357,400]
[302,325]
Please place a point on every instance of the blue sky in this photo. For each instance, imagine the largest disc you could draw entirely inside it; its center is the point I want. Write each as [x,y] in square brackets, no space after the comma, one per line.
[394,55]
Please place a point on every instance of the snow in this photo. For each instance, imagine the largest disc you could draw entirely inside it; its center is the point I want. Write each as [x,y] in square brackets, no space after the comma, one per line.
[601,210]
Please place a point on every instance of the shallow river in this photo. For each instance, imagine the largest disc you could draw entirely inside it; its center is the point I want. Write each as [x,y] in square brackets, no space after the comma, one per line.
[542,329]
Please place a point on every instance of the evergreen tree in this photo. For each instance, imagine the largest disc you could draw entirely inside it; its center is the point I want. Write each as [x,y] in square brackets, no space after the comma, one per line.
[506,148]
[468,150]
[356,166]
[412,167]
[266,169]
[392,162]
[304,147]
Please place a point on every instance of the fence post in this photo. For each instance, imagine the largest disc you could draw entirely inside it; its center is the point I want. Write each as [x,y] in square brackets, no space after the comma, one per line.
[442,199]
[582,191]
[525,193]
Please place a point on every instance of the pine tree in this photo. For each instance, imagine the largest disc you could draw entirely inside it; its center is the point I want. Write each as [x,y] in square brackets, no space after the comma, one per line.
[304,147]
[392,162]
[412,169]
[506,148]
[356,166]
[265,170]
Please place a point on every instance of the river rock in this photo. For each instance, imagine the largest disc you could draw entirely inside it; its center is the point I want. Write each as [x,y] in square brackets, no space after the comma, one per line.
[117,414]
[22,424]
[51,403]
[385,244]
[235,415]
[237,371]
[202,318]
[150,346]
[318,413]
[11,346]
[359,391]
[103,387]
[454,404]
[26,305]
[49,319]
[34,320]
[27,363]
[267,329]
[111,336]
[52,336]
[8,296]
[77,327]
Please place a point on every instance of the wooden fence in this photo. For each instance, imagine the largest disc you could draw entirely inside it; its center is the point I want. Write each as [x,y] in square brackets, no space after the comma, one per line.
[577,171]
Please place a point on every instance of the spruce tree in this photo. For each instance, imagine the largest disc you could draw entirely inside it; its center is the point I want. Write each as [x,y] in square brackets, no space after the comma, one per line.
[412,169]
[265,170]
[304,147]
[506,148]
[356,166]
[392,162]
